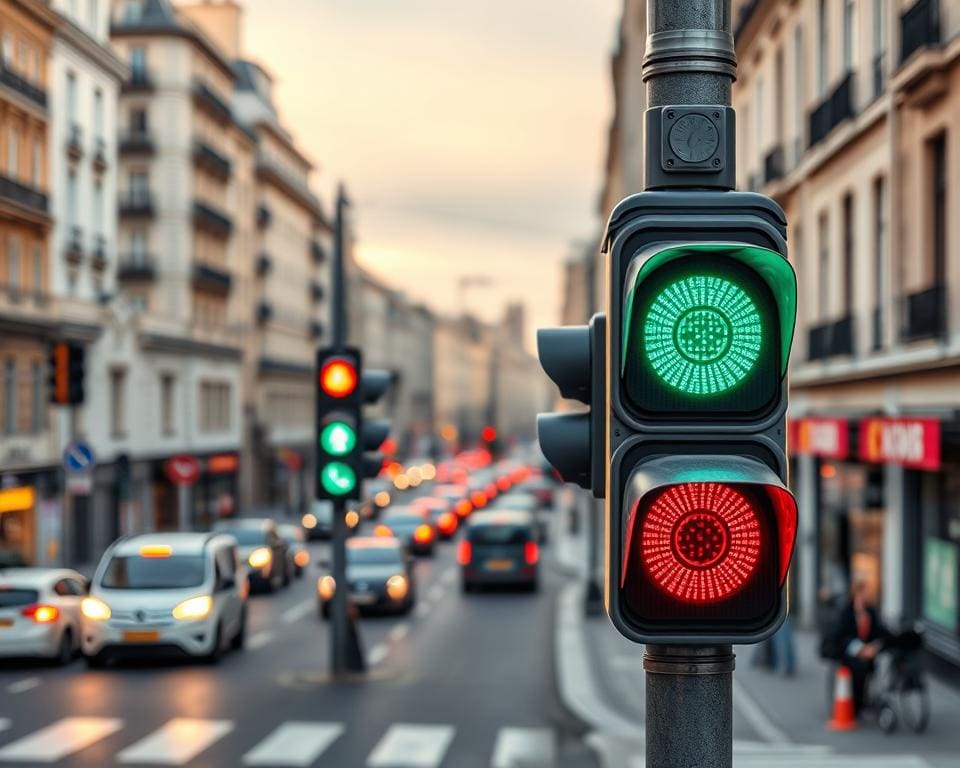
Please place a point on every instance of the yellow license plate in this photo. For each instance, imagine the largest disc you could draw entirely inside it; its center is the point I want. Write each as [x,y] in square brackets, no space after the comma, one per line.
[499,565]
[6,622]
[141,635]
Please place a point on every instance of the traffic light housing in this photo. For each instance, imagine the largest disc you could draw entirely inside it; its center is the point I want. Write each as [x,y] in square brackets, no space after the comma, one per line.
[67,368]
[343,438]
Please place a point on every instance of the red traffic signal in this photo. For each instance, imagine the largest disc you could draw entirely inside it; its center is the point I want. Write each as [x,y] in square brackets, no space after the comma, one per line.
[488,434]
[338,377]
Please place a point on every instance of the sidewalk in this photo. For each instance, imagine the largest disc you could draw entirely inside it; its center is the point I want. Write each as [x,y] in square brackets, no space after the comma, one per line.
[777,721]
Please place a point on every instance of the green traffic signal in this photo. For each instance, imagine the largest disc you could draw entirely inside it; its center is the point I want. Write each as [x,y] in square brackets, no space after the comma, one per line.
[338,438]
[338,479]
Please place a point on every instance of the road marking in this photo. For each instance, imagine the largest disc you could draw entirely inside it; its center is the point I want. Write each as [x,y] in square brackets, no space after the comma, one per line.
[807,760]
[62,738]
[411,746]
[259,640]
[435,593]
[399,632]
[22,686]
[754,714]
[422,610]
[377,654]
[449,576]
[294,744]
[177,742]
[531,747]
[298,611]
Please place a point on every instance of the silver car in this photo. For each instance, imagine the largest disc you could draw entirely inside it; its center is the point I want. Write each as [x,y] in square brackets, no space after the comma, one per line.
[166,594]
[40,612]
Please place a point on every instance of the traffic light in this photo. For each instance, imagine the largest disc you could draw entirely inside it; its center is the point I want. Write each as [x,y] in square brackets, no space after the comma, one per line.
[700,528]
[66,366]
[343,438]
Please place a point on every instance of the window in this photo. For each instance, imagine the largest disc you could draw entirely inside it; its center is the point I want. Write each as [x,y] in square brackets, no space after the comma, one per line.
[823,265]
[849,39]
[214,406]
[97,111]
[132,10]
[72,198]
[879,46]
[118,404]
[37,281]
[780,87]
[879,257]
[9,396]
[138,247]
[38,399]
[36,162]
[848,252]
[13,152]
[138,122]
[823,50]
[138,302]
[14,268]
[138,64]
[7,49]
[98,223]
[167,384]
[72,97]
[139,185]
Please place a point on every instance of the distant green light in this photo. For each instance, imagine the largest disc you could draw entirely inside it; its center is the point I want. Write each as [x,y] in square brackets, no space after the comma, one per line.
[338,438]
[338,478]
[702,335]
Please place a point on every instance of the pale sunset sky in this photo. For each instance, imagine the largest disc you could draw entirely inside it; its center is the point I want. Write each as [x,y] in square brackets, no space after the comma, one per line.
[471,135]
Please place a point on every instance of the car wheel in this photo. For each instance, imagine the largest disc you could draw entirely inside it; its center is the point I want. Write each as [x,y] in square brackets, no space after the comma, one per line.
[216,653]
[96,661]
[65,648]
[240,638]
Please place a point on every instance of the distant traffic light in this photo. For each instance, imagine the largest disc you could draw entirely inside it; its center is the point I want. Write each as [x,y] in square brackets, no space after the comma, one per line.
[488,434]
[343,437]
[67,369]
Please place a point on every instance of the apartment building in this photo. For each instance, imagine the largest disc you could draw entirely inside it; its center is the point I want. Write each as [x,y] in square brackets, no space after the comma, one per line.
[28,451]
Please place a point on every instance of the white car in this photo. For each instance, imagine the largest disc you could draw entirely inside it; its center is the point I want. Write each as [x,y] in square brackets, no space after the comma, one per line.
[166,594]
[40,612]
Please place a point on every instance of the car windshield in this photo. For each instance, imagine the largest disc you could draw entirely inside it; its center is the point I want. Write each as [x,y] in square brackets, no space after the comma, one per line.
[11,597]
[245,536]
[374,556]
[499,534]
[135,572]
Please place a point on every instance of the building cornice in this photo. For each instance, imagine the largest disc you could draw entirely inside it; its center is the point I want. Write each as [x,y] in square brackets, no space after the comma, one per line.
[174,30]
[97,52]
[156,342]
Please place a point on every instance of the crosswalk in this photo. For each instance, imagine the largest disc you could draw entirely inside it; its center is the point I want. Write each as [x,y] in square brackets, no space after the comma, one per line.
[291,744]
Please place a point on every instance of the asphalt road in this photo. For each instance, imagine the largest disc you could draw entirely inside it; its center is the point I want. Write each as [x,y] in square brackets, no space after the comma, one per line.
[464,680]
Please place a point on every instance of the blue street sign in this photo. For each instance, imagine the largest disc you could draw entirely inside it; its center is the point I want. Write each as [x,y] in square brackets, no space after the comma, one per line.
[79,457]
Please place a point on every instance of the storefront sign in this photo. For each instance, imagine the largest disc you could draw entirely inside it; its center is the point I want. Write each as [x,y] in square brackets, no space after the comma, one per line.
[913,443]
[940,569]
[223,463]
[18,499]
[827,438]
[182,470]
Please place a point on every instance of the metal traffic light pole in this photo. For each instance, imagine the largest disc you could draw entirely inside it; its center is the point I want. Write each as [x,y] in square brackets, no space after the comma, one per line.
[690,59]
[346,650]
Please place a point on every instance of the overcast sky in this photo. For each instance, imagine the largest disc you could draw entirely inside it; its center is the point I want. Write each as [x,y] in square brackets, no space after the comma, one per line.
[471,134]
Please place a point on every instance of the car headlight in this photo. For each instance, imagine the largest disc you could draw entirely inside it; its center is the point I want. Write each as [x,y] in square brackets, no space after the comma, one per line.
[194,608]
[397,587]
[261,557]
[94,609]
[309,520]
[301,559]
[326,586]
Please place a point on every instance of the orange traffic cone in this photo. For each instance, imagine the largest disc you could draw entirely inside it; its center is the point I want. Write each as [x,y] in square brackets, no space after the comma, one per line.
[844,718]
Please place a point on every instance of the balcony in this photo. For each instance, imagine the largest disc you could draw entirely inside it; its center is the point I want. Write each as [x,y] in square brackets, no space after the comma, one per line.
[206,157]
[98,255]
[136,267]
[264,311]
[75,142]
[140,82]
[831,339]
[211,279]
[316,329]
[832,111]
[99,155]
[925,314]
[264,216]
[73,251]
[263,264]
[877,325]
[919,27]
[209,219]
[205,98]
[13,81]
[773,165]
[136,204]
[136,142]
[317,252]
[22,195]
[316,291]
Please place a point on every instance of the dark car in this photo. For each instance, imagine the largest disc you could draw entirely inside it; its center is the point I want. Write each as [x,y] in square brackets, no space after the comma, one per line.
[379,575]
[441,515]
[318,522]
[297,552]
[412,526]
[521,501]
[499,549]
[262,548]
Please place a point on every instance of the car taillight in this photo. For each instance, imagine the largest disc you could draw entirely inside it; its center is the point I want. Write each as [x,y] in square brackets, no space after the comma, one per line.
[504,483]
[464,552]
[478,499]
[423,534]
[491,490]
[531,553]
[463,508]
[41,614]
[447,523]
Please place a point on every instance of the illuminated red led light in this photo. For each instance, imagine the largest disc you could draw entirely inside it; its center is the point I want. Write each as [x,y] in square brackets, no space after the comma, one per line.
[700,542]
[338,378]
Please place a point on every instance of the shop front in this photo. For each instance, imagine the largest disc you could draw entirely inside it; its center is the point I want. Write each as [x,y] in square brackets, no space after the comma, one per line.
[215,495]
[30,519]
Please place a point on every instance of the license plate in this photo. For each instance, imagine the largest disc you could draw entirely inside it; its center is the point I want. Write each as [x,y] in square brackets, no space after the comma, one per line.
[499,565]
[141,635]
[6,622]
[363,599]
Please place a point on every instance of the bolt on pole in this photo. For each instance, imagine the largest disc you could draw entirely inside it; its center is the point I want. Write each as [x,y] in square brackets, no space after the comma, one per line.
[689,60]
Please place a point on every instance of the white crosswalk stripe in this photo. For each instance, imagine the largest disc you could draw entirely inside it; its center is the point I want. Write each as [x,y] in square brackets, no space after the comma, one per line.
[529,747]
[177,742]
[411,746]
[804,757]
[294,744]
[62,738]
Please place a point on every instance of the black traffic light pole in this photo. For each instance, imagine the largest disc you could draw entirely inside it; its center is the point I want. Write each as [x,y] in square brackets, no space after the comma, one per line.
[690,59]
[346,650]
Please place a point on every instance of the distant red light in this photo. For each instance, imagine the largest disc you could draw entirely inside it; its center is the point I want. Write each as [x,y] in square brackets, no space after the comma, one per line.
[478,499]
[503,483]
[464,552]
[338,377]
[701,541]
[423,534]
[463,508]
[447,523]
[491,490]
[488,434]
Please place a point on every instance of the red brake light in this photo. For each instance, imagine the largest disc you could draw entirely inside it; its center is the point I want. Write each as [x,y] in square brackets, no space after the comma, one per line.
[447,523]
[700,542]
[41,614]
[478,499]
[504,483]
[338,377]
[491,490]
[423,534]
[463,508]
[531,553]
[464,552]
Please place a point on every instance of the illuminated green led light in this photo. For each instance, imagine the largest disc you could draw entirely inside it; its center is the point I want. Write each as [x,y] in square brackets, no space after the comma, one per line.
[338,478]
[702,335]
[338,438]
